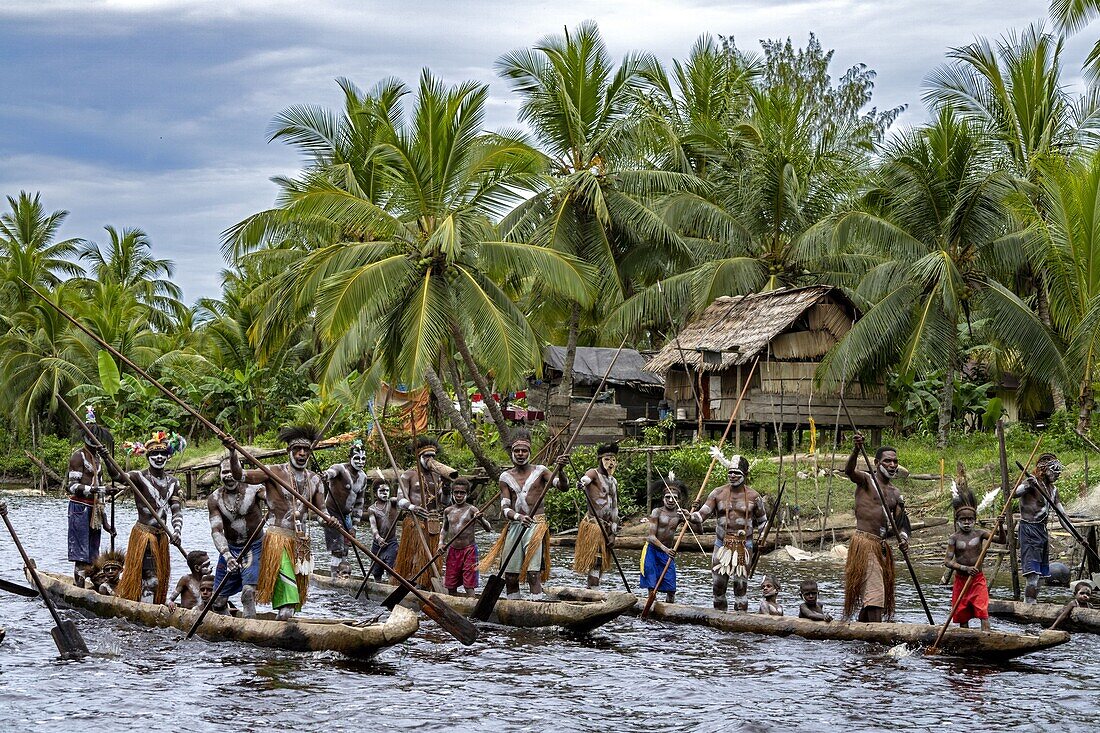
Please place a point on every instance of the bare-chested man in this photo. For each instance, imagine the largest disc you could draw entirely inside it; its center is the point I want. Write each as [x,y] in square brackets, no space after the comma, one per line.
[1034,513]
[664,521]
[592,554]
[869,570]
[86,491]
[382,519]
[286,551]
[237,510]
[521,489]
[740,516]
[462,554]
[964,549]
[187,587]
[345,496]
[420,493]
[148,563]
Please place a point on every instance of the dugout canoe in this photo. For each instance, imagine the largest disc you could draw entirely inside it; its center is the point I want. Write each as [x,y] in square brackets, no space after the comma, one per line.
[351,637]
[1080,619]
[573,616]
[987,646]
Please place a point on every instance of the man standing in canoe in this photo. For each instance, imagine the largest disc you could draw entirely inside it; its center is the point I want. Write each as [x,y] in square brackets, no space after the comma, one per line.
[964,549]
[521,490]
[236,511]
[286,561]
[345,494]
[85,488]
[382,515]
[462,554]
[1034,512]
[741,517]
[869,570]
[664,521]
[420,493]
[591,553]
[148,564]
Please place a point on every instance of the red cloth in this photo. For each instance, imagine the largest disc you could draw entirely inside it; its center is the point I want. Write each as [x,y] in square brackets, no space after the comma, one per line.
[461,567]
[975,604]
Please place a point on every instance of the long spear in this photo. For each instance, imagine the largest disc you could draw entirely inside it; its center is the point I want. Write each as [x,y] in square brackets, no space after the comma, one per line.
[889,515]
[459,627]
[649,601]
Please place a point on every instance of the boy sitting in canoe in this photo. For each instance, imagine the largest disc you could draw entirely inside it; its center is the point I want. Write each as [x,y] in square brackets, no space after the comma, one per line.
[964,549]
[206,589]
[657,552]
[1082,597]
[462,554]
[187,588]
[769,605]
[811,607]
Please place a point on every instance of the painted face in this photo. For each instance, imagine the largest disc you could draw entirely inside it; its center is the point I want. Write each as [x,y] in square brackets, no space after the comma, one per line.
[382,492]
[1054,470]
[425,457]
[810,596]
[358,460]
[966,522]
[669,500]
[888,464]
[158,459]
[201,566]
[206,589]
[521,454]
[610,462]
[736,476]
[459,496]
[299,456]
[227,476]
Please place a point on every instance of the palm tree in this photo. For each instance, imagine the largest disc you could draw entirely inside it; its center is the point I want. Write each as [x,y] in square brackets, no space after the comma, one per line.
[1069,249]
[1072,16]
[938,218]
[127,261]
[28,250]
[596,202]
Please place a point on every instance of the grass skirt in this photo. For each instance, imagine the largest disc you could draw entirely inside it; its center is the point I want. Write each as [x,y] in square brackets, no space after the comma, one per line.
[143,538]
[868,575]
[411,555]
[537,550]
[590,550]
[279,540]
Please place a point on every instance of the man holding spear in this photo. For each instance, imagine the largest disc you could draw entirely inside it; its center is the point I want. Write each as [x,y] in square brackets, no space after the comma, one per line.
[86,490]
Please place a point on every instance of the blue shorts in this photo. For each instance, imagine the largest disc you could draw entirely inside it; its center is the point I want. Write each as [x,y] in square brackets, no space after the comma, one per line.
[653,562]
[1034,548]
[249,573]
[83,540]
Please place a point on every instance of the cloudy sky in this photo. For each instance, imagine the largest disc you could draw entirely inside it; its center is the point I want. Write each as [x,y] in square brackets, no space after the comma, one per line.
[153,113]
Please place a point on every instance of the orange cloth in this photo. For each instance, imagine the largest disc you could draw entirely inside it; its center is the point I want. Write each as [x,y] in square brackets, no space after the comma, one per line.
[975,604]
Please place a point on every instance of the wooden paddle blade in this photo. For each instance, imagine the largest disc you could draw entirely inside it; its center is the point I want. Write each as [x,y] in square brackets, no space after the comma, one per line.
[19,590]
[490,594]
[454,623]
[393,599]
[648,604]
[69,641]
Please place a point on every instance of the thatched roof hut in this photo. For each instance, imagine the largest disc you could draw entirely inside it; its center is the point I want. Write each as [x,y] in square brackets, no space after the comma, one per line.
[785,333]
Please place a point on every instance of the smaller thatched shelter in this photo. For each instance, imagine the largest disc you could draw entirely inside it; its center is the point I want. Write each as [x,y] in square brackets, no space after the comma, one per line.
[785,333]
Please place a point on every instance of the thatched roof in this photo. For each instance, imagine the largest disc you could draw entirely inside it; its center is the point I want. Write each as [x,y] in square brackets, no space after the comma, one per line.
[740,327]
[591,364]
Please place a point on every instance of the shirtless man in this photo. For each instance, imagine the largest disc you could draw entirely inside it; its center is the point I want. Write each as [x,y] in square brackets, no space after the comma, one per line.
[462,554]
[740,518]
[1034,512]
[187,587]
[664,522]
[382,518]
[521,489]
[420,493]
[964,548]
[345,497]
[286,552]
[236,510]
[869,570]
[591,553]
[86,490]
[148,563]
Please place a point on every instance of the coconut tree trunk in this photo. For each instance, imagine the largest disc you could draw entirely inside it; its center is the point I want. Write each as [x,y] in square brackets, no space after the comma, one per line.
[459,383]
[459,423]
[1042,305]
[947,397]
[482,383]
[1084,410]
[570,355]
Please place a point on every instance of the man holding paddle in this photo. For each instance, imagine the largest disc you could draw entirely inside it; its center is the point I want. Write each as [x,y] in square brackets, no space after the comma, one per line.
[236,511]
[85,487]
[591,553]
[1037,494]
[345,496]
[522,489]
[421,495]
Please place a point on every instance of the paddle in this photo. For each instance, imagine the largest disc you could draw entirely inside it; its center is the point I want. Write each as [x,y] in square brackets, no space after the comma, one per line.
[399,592]
[116,470]
[985,547]
[19,590]
[889,515]
[65,634]
[767,529]
[1062,518]
[495,584]
[459,627]
[652,597]
[606,537]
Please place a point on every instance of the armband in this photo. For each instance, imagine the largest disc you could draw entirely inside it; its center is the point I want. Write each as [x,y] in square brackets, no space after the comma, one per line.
[585,480]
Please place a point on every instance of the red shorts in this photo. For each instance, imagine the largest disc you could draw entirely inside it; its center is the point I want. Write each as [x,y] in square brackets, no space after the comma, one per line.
[461,567]
[975,604]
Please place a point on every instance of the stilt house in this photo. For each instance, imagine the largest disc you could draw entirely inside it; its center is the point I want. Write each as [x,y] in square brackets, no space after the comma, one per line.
[775,341]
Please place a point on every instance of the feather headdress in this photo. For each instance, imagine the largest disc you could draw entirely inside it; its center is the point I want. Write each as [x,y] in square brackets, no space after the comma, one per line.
[299,435]
[734,461]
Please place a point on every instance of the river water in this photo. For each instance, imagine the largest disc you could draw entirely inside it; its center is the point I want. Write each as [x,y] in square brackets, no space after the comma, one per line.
[628,676]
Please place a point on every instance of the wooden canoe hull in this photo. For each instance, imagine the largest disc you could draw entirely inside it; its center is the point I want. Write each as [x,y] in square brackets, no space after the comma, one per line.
[575,617]
[346,636]
[990,646]
[1044,614]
